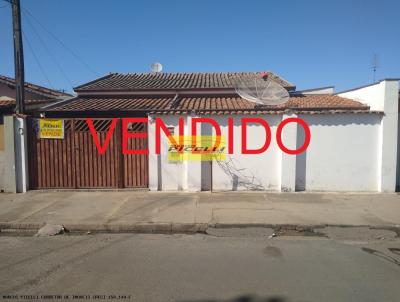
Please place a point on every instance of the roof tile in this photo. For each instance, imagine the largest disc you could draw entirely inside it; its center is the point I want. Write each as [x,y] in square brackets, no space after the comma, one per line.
[45,92]
[208,104]
[150,81]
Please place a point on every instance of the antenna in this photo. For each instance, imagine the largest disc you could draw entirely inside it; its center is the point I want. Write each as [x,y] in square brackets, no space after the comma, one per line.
[374,66]
[156,67]
[260,89]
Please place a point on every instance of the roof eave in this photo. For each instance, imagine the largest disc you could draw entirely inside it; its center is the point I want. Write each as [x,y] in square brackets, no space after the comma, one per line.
[156,91]
[34,88]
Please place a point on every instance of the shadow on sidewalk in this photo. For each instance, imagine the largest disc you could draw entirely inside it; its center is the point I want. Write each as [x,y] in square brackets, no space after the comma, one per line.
[249,298]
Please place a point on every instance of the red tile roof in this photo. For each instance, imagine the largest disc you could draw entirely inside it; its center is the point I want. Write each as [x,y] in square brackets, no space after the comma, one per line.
[206,104]
[46,95]
[112,103]
[10,103]
[45,92]
[168,81]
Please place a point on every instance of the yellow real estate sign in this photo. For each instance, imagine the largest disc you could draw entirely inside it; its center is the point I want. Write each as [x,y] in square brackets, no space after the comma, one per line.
[205,148]
[51,128]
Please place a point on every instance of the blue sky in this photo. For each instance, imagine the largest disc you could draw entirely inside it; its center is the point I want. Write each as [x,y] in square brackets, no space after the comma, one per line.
[310,43]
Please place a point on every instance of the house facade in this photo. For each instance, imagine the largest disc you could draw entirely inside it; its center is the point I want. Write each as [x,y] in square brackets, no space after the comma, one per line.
[353,145]
[35,97]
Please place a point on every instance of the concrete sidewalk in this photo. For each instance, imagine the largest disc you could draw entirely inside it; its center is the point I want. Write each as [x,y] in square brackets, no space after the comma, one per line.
[194,212]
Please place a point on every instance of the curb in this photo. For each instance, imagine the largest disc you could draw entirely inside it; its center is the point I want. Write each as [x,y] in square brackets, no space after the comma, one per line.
[145,228]
[306,227]
[178,228]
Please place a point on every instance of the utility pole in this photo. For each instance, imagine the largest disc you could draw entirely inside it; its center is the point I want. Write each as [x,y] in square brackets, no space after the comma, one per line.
[20,130]
[18,57]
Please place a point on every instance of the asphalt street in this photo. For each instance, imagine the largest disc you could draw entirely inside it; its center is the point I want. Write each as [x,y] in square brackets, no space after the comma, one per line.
[225,265]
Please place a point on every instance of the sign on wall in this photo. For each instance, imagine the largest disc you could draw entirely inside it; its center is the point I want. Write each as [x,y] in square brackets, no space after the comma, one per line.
[197,148]
[51,128]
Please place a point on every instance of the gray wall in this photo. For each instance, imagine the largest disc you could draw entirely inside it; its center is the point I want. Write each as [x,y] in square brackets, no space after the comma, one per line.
[7,157]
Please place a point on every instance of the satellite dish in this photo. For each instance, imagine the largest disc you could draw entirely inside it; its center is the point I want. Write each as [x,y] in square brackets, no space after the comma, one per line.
[156,67]
[261,89]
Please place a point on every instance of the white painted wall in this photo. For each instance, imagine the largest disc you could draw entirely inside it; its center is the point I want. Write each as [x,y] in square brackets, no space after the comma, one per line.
[238,172]
[321,90]
[383,96]
[343,154]
[164,175]
[288,161]
[370,95]
[348,152]
[249,171]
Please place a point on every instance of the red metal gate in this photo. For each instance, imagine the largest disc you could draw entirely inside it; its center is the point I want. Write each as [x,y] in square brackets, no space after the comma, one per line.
[74,162]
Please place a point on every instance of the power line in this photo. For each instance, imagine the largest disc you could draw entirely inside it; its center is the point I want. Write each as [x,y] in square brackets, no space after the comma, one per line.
[30,15]
[60,41]
[37,60]
[5,5]
[50,54]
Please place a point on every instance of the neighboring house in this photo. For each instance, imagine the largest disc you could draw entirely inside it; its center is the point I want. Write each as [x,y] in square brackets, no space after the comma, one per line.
[35,97]
[353,137]
[319,90]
